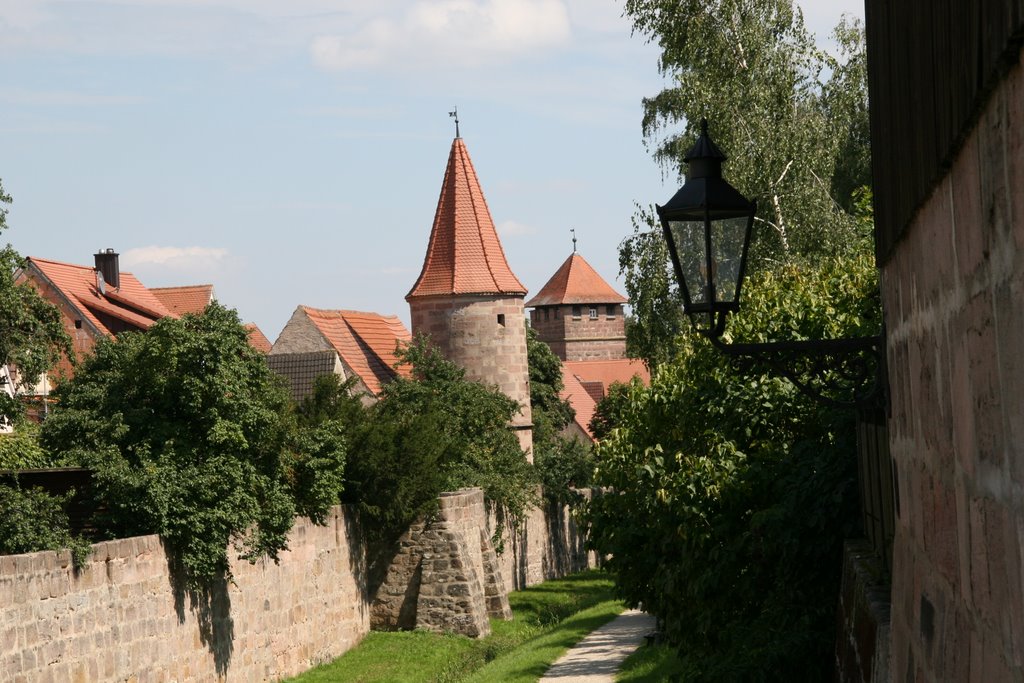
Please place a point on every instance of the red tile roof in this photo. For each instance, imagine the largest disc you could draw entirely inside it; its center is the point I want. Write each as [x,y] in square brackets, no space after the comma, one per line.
[132,303]
[187,299]
[366,342]
[579,398]
[607,372]
[464,255]
[576,282]
[257,339]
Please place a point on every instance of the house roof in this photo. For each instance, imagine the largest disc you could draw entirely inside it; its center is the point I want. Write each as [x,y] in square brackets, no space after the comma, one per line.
[366,342]
[576,282]
[187,299]
[579,398]
[464,255]
[132,302]
[607,372]
[257,339]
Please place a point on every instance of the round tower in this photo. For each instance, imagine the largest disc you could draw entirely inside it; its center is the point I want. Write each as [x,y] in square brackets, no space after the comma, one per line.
[466,299]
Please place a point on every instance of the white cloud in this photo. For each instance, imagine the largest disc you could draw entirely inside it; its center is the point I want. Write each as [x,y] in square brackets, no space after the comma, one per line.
[460,33]
[174,258]
[515,229]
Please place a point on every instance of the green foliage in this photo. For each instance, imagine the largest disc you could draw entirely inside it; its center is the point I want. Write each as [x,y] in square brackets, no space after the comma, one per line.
[21,448]
[475,446]
[32,336]
[733,492]
[561,462]
[32,520]
[190,436]
[613,407]
[792,119]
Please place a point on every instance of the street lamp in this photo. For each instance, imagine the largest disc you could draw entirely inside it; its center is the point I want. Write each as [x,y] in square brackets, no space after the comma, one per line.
[707,226]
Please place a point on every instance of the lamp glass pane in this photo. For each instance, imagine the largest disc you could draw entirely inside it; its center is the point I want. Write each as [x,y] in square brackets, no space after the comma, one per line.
[727,236]
[689,240]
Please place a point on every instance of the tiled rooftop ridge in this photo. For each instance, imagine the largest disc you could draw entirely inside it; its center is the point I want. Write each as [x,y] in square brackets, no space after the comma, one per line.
[576,282]
[464,254]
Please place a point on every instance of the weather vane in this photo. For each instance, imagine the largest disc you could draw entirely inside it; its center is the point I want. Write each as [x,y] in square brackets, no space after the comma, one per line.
[455,115]
[573,231]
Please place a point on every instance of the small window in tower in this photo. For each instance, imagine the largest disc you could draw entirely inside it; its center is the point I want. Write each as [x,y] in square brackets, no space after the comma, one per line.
[78,324]
[593,312]
[546,312]
[577,311]
[501,319]
[609,311]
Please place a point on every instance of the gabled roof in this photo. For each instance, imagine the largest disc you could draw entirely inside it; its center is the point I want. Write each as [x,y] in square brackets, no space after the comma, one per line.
[187,299]
[576,282]
[131,303]
[257,339]
[366,342]
[464,255]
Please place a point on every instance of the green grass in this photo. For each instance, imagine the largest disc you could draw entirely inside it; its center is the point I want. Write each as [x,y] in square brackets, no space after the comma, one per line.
[651,664]
[547,619]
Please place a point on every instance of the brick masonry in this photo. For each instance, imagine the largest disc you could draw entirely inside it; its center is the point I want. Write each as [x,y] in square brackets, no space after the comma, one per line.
[122,618]
[486,335]
[952,294]
[581,338]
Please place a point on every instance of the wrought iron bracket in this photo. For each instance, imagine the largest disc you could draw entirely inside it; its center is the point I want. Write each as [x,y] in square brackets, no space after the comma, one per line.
[842,373]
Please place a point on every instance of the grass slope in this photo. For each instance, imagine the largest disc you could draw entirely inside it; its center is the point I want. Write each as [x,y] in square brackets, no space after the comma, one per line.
[547,619]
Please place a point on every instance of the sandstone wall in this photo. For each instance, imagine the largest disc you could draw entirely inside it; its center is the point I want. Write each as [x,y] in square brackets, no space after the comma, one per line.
[122,617]
[953,294]
[583,337]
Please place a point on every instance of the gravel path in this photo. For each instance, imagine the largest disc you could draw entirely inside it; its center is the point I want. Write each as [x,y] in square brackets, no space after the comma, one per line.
[597,658]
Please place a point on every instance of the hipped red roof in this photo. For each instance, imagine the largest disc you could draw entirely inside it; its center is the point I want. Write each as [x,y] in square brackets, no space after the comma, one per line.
[131,303]
[257,339]
[464,255]
[576,282]
[365,341]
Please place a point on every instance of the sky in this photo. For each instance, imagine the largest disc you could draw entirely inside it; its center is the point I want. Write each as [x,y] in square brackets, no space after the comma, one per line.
[292,152]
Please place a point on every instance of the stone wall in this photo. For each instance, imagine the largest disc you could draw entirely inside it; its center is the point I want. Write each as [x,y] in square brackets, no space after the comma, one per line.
[122,617]
[862,649]
[953,293]
[445,575]
[583,337]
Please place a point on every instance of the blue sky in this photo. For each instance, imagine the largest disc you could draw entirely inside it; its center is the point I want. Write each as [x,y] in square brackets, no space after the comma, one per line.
[292,152]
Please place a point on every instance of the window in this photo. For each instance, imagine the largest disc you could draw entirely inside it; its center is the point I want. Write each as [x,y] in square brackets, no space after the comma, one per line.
[593,312]
[609,311]
[501,319]
[546,312]
[577,311]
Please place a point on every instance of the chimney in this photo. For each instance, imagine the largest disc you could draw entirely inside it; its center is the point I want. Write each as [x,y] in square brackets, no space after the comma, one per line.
[106,264]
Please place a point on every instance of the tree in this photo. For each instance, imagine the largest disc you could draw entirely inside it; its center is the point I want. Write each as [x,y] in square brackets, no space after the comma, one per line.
[561,462]
[791,119]
[32,337]
[190,435]
[733,492]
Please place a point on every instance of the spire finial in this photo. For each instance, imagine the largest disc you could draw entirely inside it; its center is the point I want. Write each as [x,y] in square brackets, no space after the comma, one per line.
[703,125]
[455,115]
[573,231]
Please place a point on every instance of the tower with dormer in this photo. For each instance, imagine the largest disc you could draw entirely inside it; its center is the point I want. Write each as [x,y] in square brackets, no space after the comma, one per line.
[466,299]
[579,315]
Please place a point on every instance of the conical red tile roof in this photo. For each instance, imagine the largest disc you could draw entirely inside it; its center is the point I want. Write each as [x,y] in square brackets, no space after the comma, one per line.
[576,282]
[464,255]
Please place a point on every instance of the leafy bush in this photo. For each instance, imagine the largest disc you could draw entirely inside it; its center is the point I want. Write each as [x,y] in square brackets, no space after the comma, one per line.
[33,520]
[734,492]
[21,448]
[190,435]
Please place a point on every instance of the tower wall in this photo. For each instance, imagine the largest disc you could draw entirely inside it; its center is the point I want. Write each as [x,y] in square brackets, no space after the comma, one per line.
[486,335]
[581,337]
